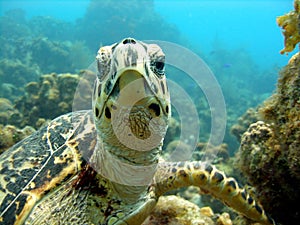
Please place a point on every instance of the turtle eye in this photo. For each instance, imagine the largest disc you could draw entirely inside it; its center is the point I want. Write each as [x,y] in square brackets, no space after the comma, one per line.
[157,60]
[158,67]
[103,62]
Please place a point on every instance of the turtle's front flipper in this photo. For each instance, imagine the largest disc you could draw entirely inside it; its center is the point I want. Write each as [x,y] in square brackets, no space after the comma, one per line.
[171,176]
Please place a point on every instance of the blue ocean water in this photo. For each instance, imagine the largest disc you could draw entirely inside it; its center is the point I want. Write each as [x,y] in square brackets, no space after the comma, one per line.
[247,24]
[238,39]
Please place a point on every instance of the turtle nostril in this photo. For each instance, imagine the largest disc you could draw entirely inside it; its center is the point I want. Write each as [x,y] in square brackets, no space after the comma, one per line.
[167,109]
[129,41]
[155,108]
[107,113]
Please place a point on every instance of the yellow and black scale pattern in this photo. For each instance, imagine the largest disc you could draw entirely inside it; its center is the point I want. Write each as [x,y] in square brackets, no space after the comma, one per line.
[40,164]
[47,179]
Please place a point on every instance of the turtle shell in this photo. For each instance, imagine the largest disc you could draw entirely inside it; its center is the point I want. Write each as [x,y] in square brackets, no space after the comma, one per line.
[43,162]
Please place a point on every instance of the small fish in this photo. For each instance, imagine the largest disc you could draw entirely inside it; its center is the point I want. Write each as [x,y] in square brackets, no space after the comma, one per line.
[226,65]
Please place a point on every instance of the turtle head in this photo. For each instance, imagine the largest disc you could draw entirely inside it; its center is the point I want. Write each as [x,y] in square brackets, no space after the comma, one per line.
[131,102]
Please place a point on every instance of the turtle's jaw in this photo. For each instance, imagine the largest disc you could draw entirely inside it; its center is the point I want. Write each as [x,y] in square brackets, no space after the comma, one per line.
[134,114]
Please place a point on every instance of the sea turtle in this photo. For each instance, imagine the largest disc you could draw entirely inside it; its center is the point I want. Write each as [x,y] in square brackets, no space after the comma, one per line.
[102,166]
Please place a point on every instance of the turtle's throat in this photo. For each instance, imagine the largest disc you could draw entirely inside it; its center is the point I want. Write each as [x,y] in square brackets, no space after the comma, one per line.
[129,174]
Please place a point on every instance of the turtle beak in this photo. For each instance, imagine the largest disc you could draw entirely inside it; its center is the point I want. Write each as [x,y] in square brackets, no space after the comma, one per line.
[131,89]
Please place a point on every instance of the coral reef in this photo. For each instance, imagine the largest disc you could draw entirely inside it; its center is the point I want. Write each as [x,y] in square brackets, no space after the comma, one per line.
[174,210]
[177,211]
[269,154]
[220,152]
[179,150]
[37,46]
[172,132]
[10,135]
[117,21]
[17,74]
[249,117]
[52,96]
[237,71]
[6,110]
[62,56]
[290,23]
[50,56]
[196,196]
[43,26]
